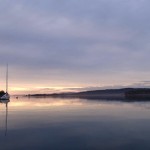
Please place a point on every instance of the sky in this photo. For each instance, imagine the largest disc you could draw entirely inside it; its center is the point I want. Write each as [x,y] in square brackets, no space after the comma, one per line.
[64,45]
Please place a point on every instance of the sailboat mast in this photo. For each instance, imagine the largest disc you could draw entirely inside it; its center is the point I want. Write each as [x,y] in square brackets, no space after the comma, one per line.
[7,79]
[6,118]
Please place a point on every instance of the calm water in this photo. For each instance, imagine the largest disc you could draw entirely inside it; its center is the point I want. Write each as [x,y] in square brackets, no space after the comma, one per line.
[74,124]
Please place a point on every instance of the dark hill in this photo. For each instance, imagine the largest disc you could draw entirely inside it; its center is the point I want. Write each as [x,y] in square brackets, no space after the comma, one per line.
[125,93]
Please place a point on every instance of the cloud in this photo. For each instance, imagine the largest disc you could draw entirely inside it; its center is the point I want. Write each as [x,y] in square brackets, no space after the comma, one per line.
[97,40]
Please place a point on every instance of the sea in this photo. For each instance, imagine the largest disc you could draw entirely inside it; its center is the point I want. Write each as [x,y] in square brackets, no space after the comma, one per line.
[74,124]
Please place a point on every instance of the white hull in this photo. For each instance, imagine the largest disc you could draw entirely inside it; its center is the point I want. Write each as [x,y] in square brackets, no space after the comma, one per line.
[5,97]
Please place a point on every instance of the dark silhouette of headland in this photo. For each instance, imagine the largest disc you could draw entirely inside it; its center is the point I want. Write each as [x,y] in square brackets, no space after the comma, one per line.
[110,94]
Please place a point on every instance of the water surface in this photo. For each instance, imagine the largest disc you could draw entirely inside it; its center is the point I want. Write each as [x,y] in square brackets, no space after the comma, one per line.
[74,124]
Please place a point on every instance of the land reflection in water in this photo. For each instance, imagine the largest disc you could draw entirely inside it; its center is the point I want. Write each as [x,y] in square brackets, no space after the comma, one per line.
[47,123]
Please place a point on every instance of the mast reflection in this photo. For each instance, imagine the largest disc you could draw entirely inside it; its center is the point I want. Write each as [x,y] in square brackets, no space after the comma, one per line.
[6,116]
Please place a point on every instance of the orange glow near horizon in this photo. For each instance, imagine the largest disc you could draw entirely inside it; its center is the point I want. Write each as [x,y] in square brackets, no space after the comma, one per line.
[28,90]
[19,89]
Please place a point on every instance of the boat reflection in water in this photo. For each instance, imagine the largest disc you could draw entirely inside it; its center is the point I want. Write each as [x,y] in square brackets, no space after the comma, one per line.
[6,116]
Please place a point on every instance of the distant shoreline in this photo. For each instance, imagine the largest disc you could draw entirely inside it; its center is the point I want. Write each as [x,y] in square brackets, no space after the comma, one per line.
[110,94]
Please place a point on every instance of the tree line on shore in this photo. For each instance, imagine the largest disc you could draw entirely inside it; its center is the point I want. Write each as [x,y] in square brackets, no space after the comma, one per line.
[2,93]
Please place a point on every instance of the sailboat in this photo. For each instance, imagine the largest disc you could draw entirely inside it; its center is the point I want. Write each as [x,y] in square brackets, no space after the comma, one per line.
[6,96]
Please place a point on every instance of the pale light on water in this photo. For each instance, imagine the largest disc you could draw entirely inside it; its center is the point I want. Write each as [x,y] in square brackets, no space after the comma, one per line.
[64,124]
